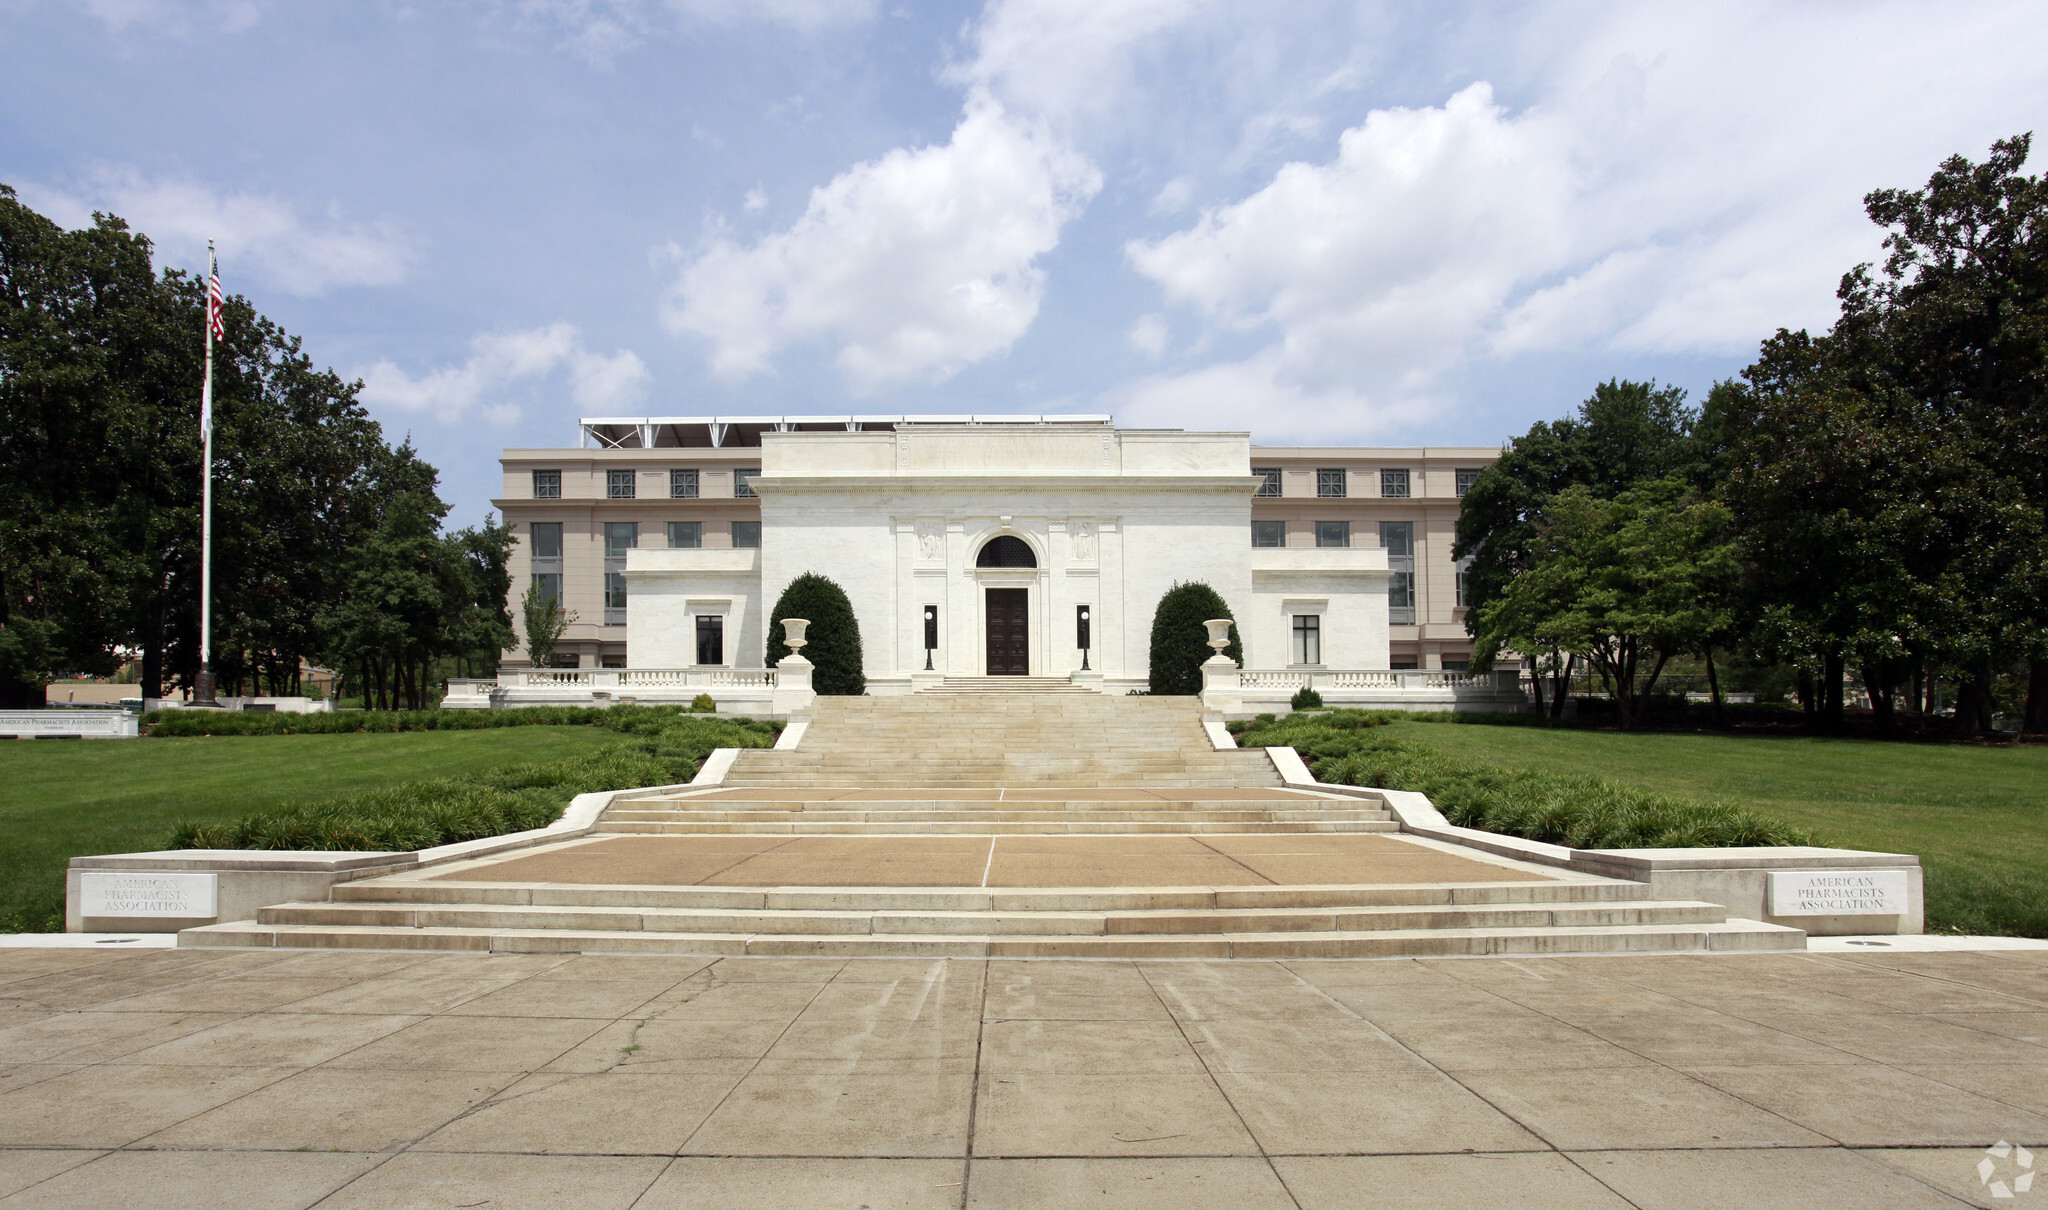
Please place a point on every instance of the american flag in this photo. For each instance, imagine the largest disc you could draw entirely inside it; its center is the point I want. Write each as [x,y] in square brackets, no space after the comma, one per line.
[213,299]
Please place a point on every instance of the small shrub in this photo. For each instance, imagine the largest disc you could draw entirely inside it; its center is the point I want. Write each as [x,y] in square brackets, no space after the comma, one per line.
[702,704]
[831,644]
[1179,641]
[1305,698]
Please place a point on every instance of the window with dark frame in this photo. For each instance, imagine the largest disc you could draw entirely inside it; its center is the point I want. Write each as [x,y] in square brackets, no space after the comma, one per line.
[710,638]
[1331,483]
[1463,565]
[547,485]
[1308,638]
[743,481]
[682,484]
[1467,476]
[619,537]
[1269,533]
[1269,480]
[685,535]
[545,540]
[621,485]
[1333,533]
[1397,538]
[746,535]
[1394,482]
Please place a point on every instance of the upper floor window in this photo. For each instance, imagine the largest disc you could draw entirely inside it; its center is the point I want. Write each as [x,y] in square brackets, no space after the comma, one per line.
[746,535]
[1333,533]
[621,485]
[1330,482]
[547,539]
[685,535]
[1397,538]
[1269,480]
[1269,533]
[1394,482]
[1467,476]
[547,485]
[682,484]
[743,481]
[1464,566]
[620,537]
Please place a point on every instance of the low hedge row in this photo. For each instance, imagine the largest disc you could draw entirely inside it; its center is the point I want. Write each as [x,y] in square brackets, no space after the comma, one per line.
[350,722]
[665,747]
[1345,747]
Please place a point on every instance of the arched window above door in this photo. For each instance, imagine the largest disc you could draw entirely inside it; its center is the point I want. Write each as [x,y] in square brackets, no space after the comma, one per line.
[1006,551]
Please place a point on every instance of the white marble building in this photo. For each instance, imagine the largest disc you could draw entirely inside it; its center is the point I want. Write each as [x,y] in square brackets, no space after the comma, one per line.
[990,536]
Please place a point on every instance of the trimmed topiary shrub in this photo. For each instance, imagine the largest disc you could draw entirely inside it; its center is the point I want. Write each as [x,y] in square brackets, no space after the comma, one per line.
[832,644]
[1179,642]
[1305,698]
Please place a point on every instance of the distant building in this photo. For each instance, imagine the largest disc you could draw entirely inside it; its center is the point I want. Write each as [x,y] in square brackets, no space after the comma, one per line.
[670,538]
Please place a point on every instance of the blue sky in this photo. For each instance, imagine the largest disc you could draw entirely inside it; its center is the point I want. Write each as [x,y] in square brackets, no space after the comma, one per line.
[1419,223]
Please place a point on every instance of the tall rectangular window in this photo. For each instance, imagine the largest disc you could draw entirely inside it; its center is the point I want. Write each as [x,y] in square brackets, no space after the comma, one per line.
[1269,480]
[545,540]
[621,485]
[1464,565]
[1467,476]
[619,537]
[1333,533]
[682,484]
[746,535]
[685,535]
[743,481]
[1394,482]
[547,485]
[1308,639]
[710,638]
[1269,533]
[1331,482]
[1397,538]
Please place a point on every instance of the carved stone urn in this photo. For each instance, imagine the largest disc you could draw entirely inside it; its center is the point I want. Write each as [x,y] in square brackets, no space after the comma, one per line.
[1219,637]
[793,633]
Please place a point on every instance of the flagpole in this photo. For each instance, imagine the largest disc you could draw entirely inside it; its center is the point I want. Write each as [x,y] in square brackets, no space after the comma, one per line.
[202,689]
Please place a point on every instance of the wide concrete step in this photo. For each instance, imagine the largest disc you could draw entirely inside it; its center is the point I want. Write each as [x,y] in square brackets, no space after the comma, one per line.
[1247,815]
[966,899]
[1341,943]
[994,828]
[991,923]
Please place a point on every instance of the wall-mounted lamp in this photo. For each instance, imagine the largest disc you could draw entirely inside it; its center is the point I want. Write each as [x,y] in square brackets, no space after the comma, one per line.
[1081,633]
[931,634]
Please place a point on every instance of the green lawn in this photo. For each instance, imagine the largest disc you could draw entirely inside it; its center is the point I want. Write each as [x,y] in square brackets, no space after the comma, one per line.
[61,799]
[1977,816]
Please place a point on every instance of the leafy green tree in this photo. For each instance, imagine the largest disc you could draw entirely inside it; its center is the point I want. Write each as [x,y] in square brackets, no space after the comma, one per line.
[1629,581]
[831,643]
[1180,643]
[546,623]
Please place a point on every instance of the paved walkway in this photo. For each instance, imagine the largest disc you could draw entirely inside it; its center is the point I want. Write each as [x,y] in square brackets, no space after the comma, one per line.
[183,1078]
[1298,859]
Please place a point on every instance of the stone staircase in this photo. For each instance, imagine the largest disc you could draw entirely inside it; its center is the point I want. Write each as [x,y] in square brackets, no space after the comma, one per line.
[956,685]
[994,763]
[910,815]
[997,739]
[1578,916]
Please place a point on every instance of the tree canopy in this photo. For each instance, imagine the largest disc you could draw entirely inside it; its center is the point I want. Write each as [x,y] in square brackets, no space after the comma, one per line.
[100,374]
[831,643]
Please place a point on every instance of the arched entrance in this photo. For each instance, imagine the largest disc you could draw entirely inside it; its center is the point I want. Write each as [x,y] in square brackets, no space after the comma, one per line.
[1007,616]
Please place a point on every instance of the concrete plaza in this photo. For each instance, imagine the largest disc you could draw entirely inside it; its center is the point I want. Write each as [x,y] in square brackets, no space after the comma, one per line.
[344,1079]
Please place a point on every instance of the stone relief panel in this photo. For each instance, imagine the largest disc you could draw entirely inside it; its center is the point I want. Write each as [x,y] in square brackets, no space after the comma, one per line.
[1084,540]
[931,540]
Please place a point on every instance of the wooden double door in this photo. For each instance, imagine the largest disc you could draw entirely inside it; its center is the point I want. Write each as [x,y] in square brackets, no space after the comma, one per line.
[1009,631]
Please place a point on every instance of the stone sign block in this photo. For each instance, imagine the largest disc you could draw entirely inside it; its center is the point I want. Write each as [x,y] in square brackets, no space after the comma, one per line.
[152,893]
[1838,893]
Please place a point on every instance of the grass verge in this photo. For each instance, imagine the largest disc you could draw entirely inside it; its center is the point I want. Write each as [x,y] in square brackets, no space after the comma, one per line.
[1977,815]
[291,789]
[1353,747]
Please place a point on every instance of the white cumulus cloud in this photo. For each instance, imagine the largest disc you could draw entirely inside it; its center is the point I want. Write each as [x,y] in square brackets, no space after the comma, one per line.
[597,382]
[259,235]
[1672,181]
[914,265]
